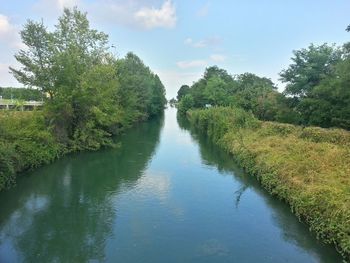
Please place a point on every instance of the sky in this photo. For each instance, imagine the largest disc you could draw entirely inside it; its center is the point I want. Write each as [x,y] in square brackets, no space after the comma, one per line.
[178,39]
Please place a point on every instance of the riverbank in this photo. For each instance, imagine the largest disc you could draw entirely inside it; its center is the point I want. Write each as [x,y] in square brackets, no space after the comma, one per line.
[25,143]
[306,167]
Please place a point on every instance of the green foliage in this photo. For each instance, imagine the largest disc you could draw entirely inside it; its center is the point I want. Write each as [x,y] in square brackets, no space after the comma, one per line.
[26,143]
[248,91]
[319,78]
[7,165]
[294,163]
[21,94]
[184,89]
[257,95]
[186,103]
[214,88]
[142,93]
[310,66]
[172,101]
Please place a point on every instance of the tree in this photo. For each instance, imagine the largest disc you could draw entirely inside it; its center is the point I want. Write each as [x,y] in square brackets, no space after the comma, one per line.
[310,66]
[256,94]
[54,61]
[319,79]
[38,59]
[92,94]
[217,91]
[172,102]
[186,103]
[215,87]
[184,89]
[142,92]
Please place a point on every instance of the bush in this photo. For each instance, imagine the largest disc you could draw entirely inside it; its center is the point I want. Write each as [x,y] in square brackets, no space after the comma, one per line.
[25,143]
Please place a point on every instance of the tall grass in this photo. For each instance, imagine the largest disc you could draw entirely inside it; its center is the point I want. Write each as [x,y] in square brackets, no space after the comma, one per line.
[309,168]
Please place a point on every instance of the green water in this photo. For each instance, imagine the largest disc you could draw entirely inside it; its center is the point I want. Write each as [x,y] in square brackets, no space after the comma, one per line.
[167,195]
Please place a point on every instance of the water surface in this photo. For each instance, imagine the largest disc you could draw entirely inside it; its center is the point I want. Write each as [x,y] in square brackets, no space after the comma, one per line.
[167,195]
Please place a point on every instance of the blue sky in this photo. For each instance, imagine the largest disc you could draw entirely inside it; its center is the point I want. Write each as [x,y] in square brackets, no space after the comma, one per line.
[178,39]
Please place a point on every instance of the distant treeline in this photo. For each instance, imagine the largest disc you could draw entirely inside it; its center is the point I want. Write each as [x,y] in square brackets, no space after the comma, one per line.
[20,93]
[91,95]
[317,90]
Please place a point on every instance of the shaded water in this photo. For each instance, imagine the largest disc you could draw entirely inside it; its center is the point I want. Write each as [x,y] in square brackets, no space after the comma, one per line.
[167,195]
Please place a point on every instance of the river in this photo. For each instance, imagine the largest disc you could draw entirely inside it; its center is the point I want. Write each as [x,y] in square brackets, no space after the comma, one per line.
[166,195]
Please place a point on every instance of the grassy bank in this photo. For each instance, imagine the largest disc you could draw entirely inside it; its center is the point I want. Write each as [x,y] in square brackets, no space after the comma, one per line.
[308,168]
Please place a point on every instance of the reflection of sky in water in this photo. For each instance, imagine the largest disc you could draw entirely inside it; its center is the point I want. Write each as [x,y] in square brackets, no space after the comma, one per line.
[212,247]
[154,184]
[19,222]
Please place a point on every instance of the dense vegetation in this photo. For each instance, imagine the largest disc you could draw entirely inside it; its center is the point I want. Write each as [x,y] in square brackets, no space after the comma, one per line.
[90,95]
[25,143]
[20,94]
[294,163]
[317,90]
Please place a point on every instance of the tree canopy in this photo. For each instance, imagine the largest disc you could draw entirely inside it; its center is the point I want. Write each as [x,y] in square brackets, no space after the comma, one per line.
[218,88]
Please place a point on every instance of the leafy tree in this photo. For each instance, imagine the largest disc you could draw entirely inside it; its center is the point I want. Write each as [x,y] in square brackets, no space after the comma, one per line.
[331,99]
[142,93]
[248,91]
[158,99]
[217,91]
[186,103]
[184,89]
[319,78]
[172,101]
[310,66]
[256,94]
[215,87]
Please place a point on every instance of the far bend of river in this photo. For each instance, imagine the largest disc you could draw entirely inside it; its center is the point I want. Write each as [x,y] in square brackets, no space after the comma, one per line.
[167,195]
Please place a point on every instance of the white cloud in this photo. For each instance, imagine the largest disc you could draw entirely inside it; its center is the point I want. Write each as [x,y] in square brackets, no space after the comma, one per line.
[152,17]
[154,183]
[208,42]
[10,42]
[53,8]
[191,64]
[218,57]
[5,25]
[8,31]
[185,64]
[188,41]
[66,3]
[140,14]
[9,34]
[204,10]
